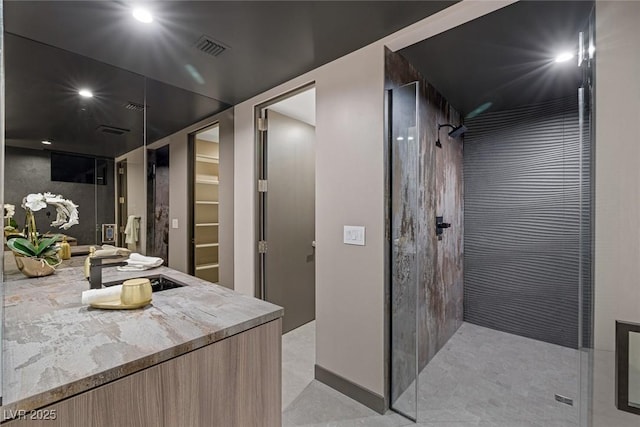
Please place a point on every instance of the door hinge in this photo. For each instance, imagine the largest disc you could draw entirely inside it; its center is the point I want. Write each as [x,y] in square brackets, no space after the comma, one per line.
[262,247]
[262,124]
[121,200]
[122,228]
[262,186]
[120,171]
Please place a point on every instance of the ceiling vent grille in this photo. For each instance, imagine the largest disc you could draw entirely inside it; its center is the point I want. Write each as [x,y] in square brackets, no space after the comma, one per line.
[112,130]
[209,46]
[134,106]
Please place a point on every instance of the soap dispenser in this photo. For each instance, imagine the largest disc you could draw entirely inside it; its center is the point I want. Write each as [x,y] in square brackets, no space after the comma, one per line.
[65,249]
[87,262]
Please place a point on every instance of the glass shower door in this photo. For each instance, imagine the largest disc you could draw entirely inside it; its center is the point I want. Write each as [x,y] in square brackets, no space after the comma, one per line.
[586,61]
[404,269]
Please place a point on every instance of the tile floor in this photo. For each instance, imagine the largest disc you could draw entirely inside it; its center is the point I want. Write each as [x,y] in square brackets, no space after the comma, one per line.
[480,378]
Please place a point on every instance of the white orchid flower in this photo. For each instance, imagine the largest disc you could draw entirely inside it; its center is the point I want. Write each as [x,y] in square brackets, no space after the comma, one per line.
[34,201]
[66,210]
[10,210]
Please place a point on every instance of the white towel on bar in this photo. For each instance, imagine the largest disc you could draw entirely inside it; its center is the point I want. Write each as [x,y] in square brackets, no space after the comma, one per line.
[138,262]
[112,293]
[131,230]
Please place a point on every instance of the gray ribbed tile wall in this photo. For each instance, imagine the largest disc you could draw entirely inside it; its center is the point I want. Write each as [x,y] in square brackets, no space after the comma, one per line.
[522,221]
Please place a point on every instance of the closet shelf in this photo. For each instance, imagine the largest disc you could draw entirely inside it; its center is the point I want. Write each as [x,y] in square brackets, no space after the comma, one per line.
[207,179]
[207,159]
[206,185]
[207,245]
[206,266]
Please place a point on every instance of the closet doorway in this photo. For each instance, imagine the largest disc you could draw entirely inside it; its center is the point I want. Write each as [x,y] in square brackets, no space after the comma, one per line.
[122,200]
[205,241]
[286,200]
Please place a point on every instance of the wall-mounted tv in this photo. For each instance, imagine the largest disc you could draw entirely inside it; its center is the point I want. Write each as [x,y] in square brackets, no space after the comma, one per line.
[79,169]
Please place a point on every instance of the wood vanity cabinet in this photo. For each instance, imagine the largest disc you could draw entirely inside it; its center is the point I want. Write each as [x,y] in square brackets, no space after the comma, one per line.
[232,382]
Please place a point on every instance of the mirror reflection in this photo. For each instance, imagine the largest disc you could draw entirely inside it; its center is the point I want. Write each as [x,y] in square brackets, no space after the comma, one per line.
[68,126]
[65,124]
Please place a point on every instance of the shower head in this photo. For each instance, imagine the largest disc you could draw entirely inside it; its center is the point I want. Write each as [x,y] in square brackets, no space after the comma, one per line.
[457,131]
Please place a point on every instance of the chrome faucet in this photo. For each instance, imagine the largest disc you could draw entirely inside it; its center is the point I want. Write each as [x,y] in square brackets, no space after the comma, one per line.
[96,266]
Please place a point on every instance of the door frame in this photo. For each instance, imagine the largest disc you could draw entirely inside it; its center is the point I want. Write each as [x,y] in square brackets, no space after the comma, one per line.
[260,168]
[121,192]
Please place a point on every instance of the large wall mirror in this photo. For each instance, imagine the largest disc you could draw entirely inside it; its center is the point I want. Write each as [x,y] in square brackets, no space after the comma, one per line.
[101,151]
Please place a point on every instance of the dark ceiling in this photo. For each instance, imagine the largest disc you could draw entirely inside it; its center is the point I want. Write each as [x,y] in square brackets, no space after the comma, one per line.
[505,58]
[268,42]
[42,102]
[54,47]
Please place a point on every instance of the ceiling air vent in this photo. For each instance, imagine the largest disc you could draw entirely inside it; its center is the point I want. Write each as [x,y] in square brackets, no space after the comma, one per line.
[112,130]
[134,106]
[206,44]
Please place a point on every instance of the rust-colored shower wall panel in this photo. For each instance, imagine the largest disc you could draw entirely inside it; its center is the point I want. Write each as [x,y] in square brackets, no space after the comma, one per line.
[445,304]
[440,181]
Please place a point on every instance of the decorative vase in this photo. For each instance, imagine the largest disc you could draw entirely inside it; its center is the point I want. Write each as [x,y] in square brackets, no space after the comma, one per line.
[65,249]
[34,267]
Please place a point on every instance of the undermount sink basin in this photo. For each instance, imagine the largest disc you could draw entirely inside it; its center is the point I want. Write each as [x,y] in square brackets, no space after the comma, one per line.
[158,283]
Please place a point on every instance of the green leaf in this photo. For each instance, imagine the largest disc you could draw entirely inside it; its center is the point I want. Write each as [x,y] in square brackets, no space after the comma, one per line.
[52,260]
[45,244]
[48,252]
[22,246]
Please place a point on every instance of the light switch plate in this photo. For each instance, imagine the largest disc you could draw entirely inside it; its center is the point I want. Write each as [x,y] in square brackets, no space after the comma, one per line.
[174,223]
[354,235]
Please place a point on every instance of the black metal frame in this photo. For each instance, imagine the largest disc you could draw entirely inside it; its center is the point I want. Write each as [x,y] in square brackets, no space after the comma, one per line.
[622,365]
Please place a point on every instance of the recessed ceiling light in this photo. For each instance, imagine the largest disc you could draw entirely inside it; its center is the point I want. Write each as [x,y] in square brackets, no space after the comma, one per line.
[142,15]
[46,142]
[86,93]
[564,57]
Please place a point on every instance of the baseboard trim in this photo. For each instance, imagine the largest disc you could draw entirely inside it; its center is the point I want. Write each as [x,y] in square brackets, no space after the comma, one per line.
[366,397]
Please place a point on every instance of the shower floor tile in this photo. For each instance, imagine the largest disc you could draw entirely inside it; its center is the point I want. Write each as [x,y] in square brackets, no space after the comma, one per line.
[481,377]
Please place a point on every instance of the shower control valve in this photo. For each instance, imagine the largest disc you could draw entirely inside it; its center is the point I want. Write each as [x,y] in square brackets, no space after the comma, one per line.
[441,225]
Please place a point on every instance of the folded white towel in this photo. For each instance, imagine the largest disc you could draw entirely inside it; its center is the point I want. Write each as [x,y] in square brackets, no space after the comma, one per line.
[112,293]
[108,250]
[137,262]
[140,260]
[133,268]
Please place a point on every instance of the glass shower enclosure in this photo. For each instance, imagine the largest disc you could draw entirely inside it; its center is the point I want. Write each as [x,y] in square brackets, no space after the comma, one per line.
[404,272]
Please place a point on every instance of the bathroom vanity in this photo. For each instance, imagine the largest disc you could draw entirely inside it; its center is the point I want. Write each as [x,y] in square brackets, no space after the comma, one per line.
[198,355]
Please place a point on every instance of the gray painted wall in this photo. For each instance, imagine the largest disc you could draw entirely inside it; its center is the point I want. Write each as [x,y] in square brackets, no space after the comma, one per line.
[29,171]
[522,213]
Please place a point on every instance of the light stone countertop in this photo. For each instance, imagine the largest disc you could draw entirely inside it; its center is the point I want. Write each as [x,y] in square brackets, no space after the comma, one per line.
[55,347]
